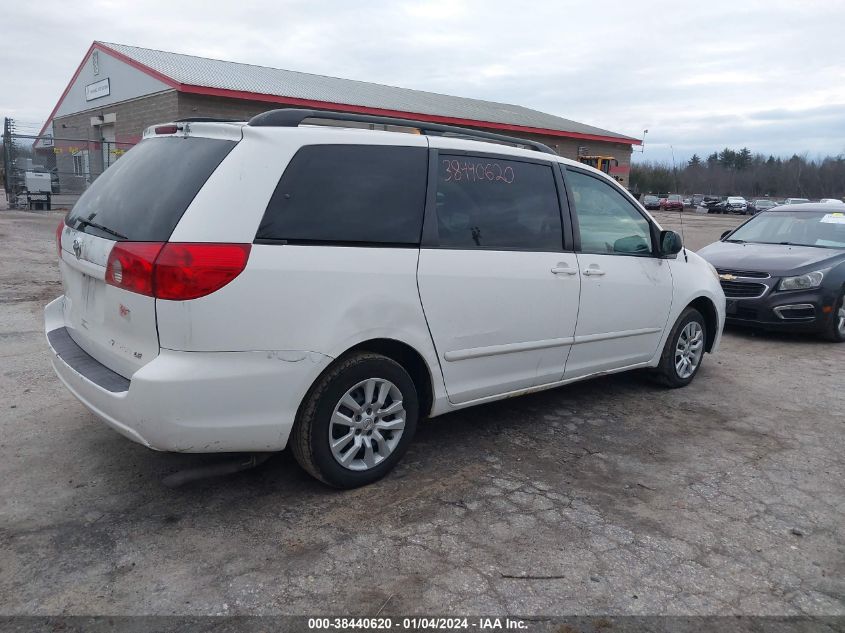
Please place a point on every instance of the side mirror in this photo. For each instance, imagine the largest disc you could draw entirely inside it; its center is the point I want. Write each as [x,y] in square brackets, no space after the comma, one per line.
[724,235]
[670,243]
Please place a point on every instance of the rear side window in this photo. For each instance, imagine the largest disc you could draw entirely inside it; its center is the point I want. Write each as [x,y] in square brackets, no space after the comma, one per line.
[349,193]
[142,196]
[489,203]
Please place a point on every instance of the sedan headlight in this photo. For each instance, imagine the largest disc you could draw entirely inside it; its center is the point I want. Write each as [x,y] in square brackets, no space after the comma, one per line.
[802,282]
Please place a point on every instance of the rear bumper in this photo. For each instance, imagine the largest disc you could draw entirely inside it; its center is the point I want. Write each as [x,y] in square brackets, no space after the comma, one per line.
[195,402]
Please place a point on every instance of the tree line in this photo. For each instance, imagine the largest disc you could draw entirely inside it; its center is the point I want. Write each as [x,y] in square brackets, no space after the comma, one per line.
[742,173]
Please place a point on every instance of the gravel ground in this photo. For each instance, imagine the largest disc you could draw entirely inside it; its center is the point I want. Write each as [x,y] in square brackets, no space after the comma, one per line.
[611,496]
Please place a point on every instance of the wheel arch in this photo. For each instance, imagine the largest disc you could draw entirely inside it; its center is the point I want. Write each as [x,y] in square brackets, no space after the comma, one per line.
[411,361]
[711,319]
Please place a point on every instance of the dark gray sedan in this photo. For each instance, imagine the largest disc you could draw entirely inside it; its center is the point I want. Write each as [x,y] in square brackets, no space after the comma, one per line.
[785,269]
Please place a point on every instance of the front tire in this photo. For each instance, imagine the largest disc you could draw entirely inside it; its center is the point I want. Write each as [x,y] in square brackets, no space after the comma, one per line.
[836,330]
[356,422]
[684,350]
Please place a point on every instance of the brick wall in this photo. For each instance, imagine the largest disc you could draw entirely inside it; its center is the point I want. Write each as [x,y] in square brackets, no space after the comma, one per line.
[132,117]
[74,134]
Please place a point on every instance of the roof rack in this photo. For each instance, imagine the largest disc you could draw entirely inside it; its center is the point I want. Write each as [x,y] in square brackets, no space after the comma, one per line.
[293,117]
[206,119]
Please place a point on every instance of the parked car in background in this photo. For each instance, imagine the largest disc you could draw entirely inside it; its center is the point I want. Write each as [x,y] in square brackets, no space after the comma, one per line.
[756,206]
[796,201]
[357,292]
[736,204]
[688,203]
[672,202]
[713,204]
[651,203]
[697,199]
[831,201]
[785,269]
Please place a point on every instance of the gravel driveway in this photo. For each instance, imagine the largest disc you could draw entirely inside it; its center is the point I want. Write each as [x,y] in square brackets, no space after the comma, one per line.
[612,496]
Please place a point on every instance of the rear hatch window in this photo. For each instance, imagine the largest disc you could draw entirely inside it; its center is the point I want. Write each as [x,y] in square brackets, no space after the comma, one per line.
[143,195]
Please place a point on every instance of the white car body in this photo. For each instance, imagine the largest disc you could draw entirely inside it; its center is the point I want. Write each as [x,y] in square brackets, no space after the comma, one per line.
[229,370]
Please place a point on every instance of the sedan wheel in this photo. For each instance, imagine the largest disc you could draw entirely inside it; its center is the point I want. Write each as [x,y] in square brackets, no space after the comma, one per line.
[836,329]
[840,322]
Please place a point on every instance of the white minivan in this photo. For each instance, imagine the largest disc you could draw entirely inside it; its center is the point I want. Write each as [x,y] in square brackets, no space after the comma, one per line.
[303,279]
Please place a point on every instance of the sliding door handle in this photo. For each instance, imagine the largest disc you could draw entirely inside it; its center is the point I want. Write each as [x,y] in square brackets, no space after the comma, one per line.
[593,272]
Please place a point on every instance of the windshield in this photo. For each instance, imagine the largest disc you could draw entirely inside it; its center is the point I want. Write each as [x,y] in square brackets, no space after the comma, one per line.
[826,230]
[732,199]
[674,198]
[651,198]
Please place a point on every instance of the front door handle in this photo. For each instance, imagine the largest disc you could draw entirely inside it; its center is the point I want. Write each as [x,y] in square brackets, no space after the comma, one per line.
[564,270]
[593,272]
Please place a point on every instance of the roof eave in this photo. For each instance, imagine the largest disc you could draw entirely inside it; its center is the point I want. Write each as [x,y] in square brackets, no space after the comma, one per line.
[324,105]
[399,114]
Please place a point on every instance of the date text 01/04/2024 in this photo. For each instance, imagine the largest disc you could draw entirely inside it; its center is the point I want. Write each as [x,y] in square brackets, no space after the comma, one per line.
[416,624]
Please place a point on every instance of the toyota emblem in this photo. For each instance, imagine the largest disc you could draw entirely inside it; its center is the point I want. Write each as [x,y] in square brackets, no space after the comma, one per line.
[77,248]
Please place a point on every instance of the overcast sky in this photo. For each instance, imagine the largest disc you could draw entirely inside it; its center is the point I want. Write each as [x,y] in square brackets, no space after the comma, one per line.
[699,76]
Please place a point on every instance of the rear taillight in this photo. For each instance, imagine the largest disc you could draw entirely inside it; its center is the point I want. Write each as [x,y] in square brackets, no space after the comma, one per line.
[175,271]
[130,266]
[59,230]
[189,271]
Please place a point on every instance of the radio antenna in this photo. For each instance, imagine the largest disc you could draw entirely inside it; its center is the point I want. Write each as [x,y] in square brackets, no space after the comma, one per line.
[681,212]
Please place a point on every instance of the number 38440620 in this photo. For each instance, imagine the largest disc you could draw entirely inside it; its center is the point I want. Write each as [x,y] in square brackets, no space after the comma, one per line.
[469,171]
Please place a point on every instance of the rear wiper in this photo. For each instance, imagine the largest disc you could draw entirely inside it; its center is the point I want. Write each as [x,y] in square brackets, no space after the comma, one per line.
[100,227]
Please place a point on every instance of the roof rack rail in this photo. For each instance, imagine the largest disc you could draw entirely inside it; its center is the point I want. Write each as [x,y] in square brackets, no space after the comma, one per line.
[293,117]
[206,119]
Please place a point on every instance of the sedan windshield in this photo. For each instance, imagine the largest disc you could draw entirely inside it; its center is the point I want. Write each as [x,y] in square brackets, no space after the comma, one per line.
[825,230]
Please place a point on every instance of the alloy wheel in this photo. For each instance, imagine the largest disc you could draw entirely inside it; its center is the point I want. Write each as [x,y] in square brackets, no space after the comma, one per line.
[367,424]
[689,349]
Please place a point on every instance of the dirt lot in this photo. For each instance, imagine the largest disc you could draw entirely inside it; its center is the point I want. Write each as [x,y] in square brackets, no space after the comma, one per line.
[611,496]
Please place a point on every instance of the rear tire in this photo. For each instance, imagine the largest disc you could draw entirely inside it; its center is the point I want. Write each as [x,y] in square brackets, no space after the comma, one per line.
[362,411]
[836,329]
[684,350]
